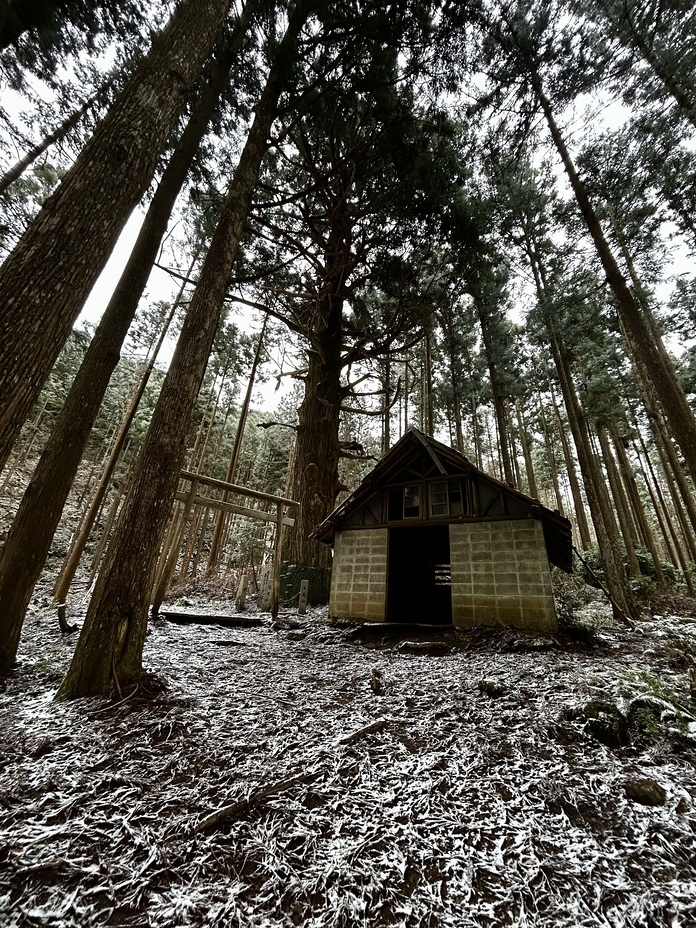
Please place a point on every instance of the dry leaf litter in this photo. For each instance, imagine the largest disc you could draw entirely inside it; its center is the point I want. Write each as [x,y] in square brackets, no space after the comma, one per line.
[305,774]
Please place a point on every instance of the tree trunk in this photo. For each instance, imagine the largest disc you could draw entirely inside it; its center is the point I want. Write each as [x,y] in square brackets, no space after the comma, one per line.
[221,518]
[316,469]
[428,387]
[79,541]
[669,534]
[317,450]
[620,502]
[513,446]
[640,337]
[528,464]
[111,643]
[597,497]
[386,415]
[637,504]
[551,459]
[496,390]
[47,278]
[578,502]
[476,429]
[24,553]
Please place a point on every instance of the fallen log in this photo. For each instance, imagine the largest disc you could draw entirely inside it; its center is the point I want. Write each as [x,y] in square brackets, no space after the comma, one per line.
[210,618]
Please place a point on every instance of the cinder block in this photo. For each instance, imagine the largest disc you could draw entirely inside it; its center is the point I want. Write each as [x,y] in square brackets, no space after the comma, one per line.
[505,575]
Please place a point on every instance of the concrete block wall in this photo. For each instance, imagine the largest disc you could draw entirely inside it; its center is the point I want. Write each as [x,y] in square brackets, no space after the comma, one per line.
[501,575]
[359,575]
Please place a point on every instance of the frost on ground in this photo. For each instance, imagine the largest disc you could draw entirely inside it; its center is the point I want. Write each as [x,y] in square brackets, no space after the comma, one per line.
[388,783]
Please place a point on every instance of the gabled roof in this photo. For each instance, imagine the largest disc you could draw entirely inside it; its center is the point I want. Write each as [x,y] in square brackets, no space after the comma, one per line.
[440,459]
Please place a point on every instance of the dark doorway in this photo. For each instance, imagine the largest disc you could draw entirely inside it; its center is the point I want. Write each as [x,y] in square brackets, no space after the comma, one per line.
[419,586]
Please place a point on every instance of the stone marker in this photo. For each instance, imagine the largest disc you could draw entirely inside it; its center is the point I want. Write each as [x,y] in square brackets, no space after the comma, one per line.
[304,596]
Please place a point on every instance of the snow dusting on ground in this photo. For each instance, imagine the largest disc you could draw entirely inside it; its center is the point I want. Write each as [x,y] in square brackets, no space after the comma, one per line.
[362,778]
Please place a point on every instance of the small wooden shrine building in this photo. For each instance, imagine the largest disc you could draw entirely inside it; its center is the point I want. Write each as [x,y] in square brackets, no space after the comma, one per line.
[428,538]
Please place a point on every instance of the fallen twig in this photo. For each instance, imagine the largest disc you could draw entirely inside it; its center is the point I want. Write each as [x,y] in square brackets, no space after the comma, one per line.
[379,725]
[231,811]
[234,809]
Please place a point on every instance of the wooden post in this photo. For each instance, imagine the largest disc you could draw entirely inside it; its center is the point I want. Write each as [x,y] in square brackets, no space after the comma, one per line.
[275,574]
[240,599]
[304,596]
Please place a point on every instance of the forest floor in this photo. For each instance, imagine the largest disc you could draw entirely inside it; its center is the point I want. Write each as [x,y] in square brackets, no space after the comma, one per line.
[366,777]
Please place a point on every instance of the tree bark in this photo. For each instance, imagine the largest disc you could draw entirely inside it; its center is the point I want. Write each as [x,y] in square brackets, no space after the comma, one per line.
[317,449]
[47,278]
[551,459]
[597,497]
[24,552]
[110,647]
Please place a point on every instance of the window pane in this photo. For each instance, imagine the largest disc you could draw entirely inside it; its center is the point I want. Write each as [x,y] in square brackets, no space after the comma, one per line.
[438,499]
[411,502]
[455,498]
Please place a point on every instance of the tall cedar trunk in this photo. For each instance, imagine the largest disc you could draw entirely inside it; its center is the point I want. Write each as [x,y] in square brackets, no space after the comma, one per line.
[110,647]
[513,446]
[661,435]
[317,449]
[595,487]
[24,552]
[476,429]
[640,337]
[456,399]
[428,386]
[668,471]
[528,463]
[386,415]
[496,389]
[578,504]
[620,502]
[221,519]
[551,458]
[316,466]
[597,497]
[669,533]
[636,502]
[669,538]
[47,278]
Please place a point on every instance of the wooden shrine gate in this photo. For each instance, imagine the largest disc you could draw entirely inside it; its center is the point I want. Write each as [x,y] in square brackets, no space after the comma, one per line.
[192,498]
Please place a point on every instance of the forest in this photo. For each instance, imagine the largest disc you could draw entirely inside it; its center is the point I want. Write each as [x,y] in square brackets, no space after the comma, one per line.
[245,247]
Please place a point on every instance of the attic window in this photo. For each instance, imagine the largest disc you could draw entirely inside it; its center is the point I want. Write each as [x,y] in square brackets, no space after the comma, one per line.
[446,498]
[411,502]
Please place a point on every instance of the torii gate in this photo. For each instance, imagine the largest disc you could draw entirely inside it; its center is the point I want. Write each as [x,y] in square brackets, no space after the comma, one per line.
[192,499]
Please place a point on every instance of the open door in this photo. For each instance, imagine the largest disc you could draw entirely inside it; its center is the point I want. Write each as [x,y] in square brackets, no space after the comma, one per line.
[419,586]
